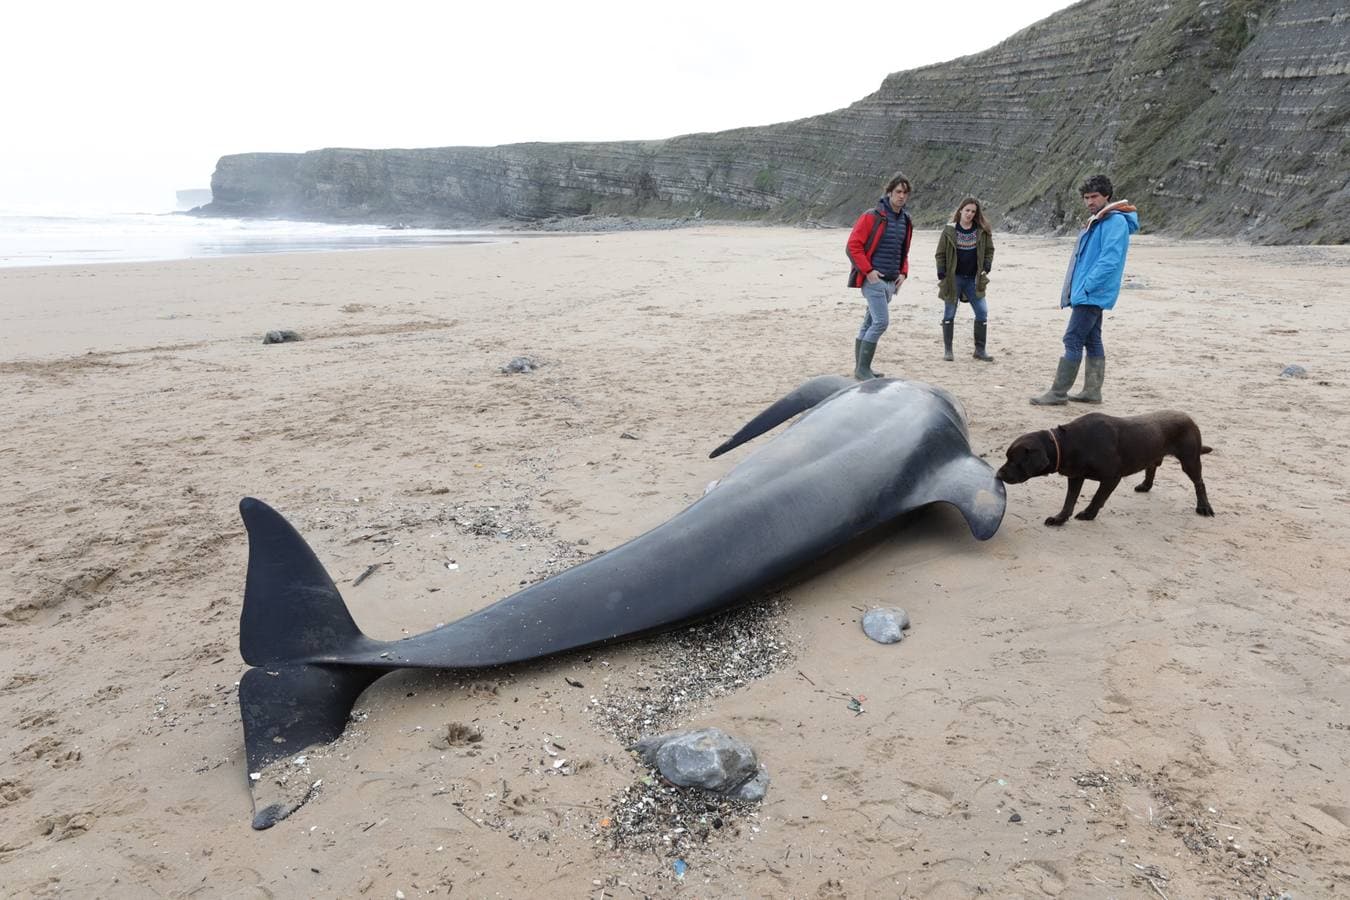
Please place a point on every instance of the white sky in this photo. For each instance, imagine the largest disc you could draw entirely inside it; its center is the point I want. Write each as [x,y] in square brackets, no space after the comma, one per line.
[114,106]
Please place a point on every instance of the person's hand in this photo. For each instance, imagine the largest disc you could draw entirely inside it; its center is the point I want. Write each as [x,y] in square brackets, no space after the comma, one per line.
[942,274]
[900,280]
[873,277]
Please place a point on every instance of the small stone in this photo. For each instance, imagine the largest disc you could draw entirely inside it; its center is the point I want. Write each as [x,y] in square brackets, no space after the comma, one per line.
[1294,371]
[885,626]
[519,365]
[1015,817]
[708,759]
[280,337]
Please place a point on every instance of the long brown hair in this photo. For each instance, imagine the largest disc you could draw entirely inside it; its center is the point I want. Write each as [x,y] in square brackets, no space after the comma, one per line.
[979,221]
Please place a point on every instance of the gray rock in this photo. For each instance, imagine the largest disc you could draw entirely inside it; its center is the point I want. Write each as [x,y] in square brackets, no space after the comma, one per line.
[755,788]
[885,626]
[709,759]
[1294,371]
[519,364]
[280,337]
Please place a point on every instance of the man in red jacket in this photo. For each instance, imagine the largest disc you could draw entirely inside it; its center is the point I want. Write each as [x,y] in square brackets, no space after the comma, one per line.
[878,247]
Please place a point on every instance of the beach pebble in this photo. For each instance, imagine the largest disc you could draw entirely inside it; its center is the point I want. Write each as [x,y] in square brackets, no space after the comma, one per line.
[280,337]
[519,364]
[1294,371]
[885,626]
[708,759]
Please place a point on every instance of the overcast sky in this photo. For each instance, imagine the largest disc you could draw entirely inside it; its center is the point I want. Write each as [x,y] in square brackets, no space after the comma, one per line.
[114,106]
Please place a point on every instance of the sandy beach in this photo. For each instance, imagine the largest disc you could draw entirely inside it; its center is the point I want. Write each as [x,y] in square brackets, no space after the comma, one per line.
[1151,704]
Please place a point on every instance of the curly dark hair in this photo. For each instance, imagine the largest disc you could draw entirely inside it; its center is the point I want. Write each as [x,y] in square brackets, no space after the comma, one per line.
[896,180]
[1097,184]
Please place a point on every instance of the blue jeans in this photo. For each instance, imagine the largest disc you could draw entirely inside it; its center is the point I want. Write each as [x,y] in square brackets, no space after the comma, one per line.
[965,287]
[878,317]
[1084,332]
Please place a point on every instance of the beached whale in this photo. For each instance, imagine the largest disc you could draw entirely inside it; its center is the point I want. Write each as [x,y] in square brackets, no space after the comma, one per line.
[864,454]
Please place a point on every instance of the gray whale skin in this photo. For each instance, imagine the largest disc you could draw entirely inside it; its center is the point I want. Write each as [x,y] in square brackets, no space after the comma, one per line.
[864,454]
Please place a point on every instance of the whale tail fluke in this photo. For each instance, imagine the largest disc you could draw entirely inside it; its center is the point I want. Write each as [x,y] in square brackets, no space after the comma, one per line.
[292,610]
[800,400]
[286,710]
[296,629]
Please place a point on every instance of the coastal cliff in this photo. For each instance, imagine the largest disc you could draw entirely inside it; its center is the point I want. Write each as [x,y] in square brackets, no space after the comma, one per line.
[1216,117]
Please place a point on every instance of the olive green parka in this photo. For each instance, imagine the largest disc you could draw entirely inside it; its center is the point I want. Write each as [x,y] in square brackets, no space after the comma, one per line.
[946,262]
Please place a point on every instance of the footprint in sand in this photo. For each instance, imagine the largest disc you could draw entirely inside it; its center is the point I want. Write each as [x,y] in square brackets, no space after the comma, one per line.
[934,803]
[1040,875]
[38,719]
[63,827]
[831,889]
[18,680]
[12,791]
[53,751]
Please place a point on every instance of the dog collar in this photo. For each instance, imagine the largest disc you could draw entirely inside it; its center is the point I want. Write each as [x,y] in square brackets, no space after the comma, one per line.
[1055,441]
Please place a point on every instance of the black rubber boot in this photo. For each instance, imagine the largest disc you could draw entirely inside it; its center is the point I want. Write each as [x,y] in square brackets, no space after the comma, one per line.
[1058,395]
[981,336]
[947,326]
[863,370]
[1094,373]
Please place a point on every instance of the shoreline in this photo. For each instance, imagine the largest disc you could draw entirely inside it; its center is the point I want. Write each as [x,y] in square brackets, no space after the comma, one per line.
[384,235]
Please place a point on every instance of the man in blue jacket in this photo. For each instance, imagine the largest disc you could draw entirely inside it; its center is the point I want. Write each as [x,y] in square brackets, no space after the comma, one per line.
[1090,288]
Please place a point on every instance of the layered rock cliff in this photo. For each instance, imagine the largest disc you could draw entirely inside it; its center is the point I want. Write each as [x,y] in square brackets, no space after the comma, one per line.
[1216,117]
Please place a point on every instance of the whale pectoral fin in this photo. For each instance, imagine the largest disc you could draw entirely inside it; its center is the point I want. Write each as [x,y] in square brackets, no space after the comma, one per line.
[968,483]
[800,400]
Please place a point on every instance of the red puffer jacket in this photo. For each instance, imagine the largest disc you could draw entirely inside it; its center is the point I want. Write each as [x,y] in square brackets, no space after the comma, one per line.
[863,241]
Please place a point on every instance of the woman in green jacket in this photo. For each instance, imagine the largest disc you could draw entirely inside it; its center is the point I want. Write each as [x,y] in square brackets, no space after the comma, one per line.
[965,254]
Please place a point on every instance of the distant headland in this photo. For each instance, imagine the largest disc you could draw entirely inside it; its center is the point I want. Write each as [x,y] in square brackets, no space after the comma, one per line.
[1227,119]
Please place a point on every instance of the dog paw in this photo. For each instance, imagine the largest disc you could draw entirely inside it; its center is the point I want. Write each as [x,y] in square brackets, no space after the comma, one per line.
[1086,515]
[1142,488]
[1204,509]
[1054,521]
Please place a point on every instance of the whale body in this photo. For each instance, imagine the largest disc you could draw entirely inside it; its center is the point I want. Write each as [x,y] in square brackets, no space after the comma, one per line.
[862,455]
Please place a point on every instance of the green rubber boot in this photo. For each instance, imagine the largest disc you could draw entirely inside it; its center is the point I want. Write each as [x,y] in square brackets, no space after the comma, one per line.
[947,326]
[1094,374]
[857,352]
[1058,395]
[981,336]
[863,369]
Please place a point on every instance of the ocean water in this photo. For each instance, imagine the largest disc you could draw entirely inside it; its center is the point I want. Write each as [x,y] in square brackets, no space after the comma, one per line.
[53,240]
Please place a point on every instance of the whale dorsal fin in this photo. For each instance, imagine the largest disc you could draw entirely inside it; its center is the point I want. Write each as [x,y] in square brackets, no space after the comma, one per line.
[800,400]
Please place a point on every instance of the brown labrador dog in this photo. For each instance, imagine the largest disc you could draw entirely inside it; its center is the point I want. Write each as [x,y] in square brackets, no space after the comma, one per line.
[1105,449]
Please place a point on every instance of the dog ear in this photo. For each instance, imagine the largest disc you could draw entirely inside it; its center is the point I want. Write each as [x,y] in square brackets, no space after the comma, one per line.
[1035,461]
